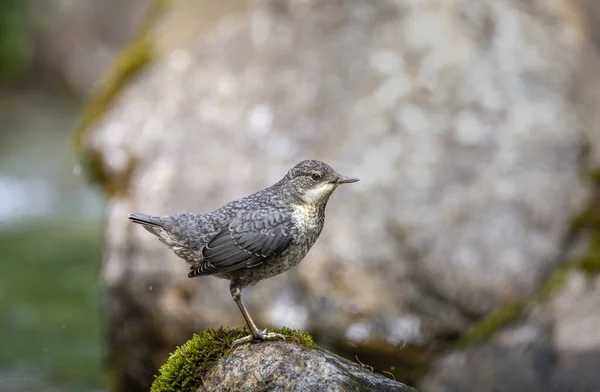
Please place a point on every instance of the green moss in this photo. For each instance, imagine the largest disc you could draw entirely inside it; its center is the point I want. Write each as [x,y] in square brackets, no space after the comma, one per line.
[112,184]
[128,64]
[185,367]
[591,262]
[590,223]
[554,283]
[485,328]
[155,12]
[131,60]
[595,176]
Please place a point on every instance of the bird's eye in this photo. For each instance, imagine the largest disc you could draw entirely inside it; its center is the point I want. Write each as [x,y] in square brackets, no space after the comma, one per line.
[315,176]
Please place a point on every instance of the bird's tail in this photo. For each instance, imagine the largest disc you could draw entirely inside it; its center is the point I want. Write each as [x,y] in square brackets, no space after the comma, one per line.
[146,220]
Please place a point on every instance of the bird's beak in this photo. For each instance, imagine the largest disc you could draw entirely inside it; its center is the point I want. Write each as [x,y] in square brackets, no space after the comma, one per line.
[346,180]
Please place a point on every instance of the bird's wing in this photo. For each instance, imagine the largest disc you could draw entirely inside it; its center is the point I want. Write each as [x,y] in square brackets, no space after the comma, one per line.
[246,242]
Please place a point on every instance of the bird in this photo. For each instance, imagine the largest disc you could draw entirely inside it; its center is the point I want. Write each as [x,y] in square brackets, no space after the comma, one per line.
[255,237]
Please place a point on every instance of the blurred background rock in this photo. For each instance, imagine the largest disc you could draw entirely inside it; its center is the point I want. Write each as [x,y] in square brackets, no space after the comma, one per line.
[466,260]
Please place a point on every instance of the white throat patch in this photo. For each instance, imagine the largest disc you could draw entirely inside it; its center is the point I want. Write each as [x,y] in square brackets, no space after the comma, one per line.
[319,193]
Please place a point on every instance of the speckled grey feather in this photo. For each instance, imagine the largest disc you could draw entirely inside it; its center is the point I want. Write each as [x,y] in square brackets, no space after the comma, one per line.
[255,237]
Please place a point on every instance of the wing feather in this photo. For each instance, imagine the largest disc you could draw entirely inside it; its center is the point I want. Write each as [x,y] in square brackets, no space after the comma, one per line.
[247,242]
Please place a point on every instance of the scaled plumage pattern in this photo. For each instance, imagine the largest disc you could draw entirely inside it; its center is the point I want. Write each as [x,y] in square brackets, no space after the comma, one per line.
[255,237]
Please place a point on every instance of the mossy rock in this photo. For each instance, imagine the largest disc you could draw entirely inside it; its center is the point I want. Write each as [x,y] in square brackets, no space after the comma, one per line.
[207,362]
[184,367]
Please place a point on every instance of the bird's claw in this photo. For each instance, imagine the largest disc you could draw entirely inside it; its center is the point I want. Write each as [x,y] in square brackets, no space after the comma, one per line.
[245,339]
[258,336]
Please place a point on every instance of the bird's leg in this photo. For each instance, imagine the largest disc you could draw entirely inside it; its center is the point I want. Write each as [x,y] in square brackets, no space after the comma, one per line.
[236,294]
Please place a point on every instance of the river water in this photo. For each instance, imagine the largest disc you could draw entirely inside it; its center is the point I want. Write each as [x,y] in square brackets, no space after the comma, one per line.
[39,177]
[50,249]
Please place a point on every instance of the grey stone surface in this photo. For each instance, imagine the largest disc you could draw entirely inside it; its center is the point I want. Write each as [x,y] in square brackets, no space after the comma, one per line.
[465,121]
[282,367]
[556,347]
[576,313]
[519,358]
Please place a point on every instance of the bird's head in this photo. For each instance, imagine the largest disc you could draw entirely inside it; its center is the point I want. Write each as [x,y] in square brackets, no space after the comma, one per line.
[313,181]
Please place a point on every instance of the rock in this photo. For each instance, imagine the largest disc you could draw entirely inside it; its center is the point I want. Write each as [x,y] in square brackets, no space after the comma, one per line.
[552,348]
[463,119]
[285,367]
[206,363]
[577,333]
[519,358]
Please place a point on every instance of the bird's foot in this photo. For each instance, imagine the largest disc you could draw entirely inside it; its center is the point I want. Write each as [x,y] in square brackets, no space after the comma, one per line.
[258,335]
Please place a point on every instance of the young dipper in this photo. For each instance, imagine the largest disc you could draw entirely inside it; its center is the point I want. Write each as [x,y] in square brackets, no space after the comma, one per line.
[255,237]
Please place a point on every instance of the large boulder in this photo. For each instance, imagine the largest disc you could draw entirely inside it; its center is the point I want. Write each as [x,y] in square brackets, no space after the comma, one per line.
[468,123]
